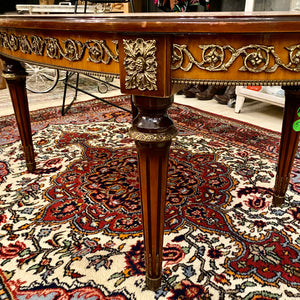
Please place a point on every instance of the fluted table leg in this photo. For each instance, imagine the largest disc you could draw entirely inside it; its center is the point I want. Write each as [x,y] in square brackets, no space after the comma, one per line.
[153,131]
[15,76]
[288,144]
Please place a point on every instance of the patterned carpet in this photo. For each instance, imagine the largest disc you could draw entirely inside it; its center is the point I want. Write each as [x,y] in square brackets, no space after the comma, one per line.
[72,230]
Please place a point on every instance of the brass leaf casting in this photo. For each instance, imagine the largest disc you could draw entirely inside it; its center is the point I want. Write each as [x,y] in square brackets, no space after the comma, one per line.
[140,64]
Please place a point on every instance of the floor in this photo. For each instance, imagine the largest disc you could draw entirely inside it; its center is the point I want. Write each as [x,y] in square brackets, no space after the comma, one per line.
[254,112]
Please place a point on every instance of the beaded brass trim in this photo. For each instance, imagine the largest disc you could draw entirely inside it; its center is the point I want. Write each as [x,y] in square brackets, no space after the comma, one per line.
[237,82]
[215,58]
[152,137]
[140,64]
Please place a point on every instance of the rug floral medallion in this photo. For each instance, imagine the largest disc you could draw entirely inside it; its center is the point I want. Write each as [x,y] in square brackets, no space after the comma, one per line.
[73,229]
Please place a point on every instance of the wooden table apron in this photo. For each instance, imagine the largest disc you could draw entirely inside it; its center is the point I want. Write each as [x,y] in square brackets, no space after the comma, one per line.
[155,54]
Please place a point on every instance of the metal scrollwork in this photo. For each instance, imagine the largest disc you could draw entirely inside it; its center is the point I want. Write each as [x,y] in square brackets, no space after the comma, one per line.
[73,50]
[9,41]
[294,56]
[3,40]
[256,58]
[53,49]
[140,56]
[13,42]
[140,64]
[37,45]
[24,45]
[98,51]
[213,57]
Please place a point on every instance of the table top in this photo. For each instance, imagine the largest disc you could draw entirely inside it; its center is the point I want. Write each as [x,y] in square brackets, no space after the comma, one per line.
[202,22]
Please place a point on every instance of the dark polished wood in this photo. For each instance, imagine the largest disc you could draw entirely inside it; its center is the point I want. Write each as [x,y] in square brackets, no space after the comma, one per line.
[153,133]
[15,76]
[289,144]
[153,54]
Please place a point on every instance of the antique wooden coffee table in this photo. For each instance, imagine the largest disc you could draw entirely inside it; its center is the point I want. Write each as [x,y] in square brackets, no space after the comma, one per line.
[154,55]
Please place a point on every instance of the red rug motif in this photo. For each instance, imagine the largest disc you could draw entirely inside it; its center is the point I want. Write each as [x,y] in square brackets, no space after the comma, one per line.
[73,229]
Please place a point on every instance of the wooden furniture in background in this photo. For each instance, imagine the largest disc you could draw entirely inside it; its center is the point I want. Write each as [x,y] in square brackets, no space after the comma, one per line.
[153,54]
[243,92]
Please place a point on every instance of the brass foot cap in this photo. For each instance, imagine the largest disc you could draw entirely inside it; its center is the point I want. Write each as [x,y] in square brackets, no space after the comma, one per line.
[278,200]
[153,284]
[31,167]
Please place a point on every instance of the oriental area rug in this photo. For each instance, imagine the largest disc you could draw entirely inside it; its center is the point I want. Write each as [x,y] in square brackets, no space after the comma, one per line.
[73,229]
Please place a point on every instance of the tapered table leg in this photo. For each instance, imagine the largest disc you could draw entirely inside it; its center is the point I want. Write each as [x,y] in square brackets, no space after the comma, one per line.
[153,131]
[288,144]
[15,76]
